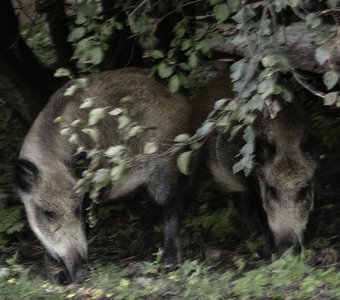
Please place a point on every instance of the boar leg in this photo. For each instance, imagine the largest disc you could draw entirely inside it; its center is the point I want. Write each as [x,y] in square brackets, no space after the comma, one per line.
[172,223]
[254,218]
[163,186]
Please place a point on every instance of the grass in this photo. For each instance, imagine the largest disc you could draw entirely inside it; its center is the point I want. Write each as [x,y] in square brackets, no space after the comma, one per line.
[289,277]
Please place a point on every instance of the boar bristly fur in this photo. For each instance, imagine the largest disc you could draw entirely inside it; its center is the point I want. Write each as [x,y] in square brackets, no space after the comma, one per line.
[277,197]
[46,176]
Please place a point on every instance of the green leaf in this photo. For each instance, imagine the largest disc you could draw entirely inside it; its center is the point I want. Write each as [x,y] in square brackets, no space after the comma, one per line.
[249,135]
[82,186]
[180,32]
[150,148]
[119,26]
[92,133]
[123,121]
[219,104]
[81,19]
[183,162]
[77,123]
[322,55]
[74,139]
[71,90]
[96,55]
[238,69]
[205,46]
[62,72]
[118,171]
[135,130]
[185,45]
[245,14]
[82,83]
[272,60]
[255,103]
[193,60]
[330,79]
[101,177]
[286,95]
[126,99]
[240,264]
[322,35]
[224,123]
[214,2]
[96,115]
[244,164]
[148,41]
[221,12]
[164,71]
[293,3]
[87,8]
[157,54]
[205,128]
[235,130]
[182,138]
[115,112]
[234,4]
[174,84]
[106,29]
[87,103]
[10,222]
[66,132]
[114,150]
[312,20]
[331,99]
[76,34]
[58,120]
[332,3]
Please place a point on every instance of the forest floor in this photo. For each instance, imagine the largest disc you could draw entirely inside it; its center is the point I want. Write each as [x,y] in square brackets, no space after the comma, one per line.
[221,262]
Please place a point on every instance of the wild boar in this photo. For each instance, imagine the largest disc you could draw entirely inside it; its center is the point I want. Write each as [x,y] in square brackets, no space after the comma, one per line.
[46,177]
[278,196]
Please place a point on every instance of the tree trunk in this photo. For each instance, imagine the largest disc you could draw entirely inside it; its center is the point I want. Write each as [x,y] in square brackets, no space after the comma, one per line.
[24,83]
[58,27]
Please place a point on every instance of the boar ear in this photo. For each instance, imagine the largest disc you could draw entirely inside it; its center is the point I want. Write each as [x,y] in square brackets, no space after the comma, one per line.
[264,150]
[26,174]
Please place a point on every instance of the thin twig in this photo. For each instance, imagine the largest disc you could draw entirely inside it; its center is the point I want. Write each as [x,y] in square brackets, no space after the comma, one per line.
[138,7]
[298,13]
[174,11]
[274,22]
[306,85]
[328,11]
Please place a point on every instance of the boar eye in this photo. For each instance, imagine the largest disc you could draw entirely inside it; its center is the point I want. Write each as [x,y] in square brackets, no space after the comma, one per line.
[271,192]
[77,212]
[48,214]
[302,194]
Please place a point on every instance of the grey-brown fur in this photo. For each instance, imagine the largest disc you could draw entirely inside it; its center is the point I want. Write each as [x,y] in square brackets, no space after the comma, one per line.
[46,178]
[277,197]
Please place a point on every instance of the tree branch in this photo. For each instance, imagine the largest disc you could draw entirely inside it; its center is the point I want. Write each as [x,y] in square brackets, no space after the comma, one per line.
[294,41]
